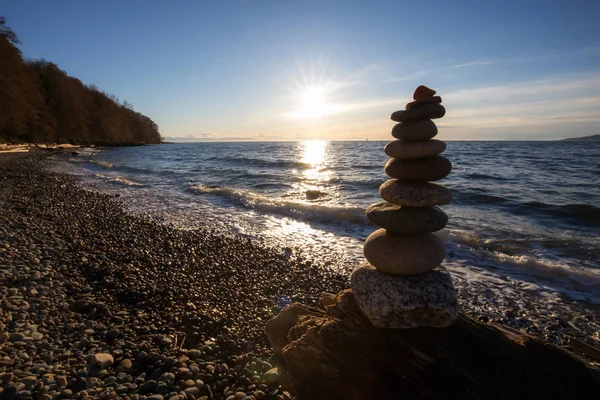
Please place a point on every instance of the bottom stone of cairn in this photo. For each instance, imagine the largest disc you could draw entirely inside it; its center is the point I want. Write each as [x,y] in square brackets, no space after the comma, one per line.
[404,302]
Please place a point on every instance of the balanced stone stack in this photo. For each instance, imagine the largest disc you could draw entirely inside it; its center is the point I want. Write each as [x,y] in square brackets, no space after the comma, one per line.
[402,284]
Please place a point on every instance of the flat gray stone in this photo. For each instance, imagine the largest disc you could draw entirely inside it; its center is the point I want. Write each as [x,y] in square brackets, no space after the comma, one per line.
[414,194]
[404,302]
[430,111]
[409,150]
[404,254]
[415,131]
[404,220]
[421,169]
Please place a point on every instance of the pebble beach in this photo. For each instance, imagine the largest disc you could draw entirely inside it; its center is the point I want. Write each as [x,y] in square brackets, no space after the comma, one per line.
[173,314]
[98,302]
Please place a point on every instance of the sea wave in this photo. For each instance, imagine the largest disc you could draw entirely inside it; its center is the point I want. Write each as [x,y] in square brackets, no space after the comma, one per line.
[119,180]
[585,214]
[472,196]
[582,214]
[260,162]
[287,207]
[103,164]
[570,279]
[478,175]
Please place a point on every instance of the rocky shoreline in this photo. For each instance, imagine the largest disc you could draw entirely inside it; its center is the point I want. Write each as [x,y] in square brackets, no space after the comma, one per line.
[173,314]
[99,303]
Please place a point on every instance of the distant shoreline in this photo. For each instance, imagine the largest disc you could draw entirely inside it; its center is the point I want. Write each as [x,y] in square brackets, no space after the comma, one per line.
[171,141]
[592,138]
[25,147]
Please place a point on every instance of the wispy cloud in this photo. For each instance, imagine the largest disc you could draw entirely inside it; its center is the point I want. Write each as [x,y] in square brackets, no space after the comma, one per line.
[592,48]
[574,86]
[472,64]
[401,78]
[553,107]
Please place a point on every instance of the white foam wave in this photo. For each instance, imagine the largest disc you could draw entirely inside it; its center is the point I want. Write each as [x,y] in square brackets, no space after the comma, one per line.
[119,179]
[286,207]
[536,272]
[103,164]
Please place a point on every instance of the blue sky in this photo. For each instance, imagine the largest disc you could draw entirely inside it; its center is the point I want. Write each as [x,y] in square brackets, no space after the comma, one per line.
[271,70]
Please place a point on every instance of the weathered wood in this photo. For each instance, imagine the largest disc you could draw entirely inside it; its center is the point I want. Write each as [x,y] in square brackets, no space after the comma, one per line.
[340,355]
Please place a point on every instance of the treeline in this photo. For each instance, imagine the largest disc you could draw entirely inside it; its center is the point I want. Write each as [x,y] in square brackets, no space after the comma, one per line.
[40,103]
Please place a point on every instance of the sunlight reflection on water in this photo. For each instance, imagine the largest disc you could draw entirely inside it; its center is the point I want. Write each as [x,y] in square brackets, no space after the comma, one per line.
[315,155]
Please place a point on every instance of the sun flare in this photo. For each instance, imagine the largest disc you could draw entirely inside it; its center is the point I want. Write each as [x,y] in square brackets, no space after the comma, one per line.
[313,103]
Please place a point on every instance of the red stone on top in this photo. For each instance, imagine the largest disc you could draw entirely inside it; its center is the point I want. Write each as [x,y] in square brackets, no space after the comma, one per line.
[423,91]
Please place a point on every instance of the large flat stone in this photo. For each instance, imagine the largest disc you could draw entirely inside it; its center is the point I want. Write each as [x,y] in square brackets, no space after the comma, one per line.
[429,111]
[414,194]
[415,131]
[410,150]
[404,220]
[421,169]
[404,302]
[404,254]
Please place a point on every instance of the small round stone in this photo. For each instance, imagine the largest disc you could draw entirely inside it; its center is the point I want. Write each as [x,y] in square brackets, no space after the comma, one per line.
[416,131]
[421,169]
[404,254]
[414,194]
[404,220]
[408,150]
[429,111]
[423,91]
[102,360]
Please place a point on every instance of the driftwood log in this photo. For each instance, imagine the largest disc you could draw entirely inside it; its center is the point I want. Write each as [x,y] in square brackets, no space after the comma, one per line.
[338,354]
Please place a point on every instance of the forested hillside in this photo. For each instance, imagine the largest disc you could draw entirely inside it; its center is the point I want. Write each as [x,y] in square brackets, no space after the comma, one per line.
[40,103]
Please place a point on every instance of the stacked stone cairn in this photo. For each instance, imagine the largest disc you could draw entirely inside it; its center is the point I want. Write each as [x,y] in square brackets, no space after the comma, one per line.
[402,284]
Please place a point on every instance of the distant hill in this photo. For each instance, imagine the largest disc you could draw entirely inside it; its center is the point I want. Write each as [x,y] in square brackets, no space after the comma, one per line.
[40,103]
[593,138]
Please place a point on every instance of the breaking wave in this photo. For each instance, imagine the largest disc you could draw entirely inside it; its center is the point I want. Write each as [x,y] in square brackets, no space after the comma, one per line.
[286,207]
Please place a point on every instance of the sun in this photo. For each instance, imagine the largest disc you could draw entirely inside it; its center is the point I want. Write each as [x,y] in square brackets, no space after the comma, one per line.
[313,103]
[314,92]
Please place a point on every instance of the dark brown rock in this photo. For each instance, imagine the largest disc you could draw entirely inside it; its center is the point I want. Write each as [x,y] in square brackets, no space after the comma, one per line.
[423,91]
[415,131]
[414,194]
[404,254]
[405,220]
[341,355]
[423,101]
[410,150]
[429,111]
[277,328]
[421,169]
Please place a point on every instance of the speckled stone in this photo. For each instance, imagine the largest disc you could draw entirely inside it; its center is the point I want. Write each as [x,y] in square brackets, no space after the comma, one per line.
[414,194]
[405,220]
[410,150]
[423,101]
[416,131]
[422,169]
[404,254]
[429,111]
[404,302]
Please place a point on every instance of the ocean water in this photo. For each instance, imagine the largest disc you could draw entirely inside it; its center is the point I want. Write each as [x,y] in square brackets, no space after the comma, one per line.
[524,214]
